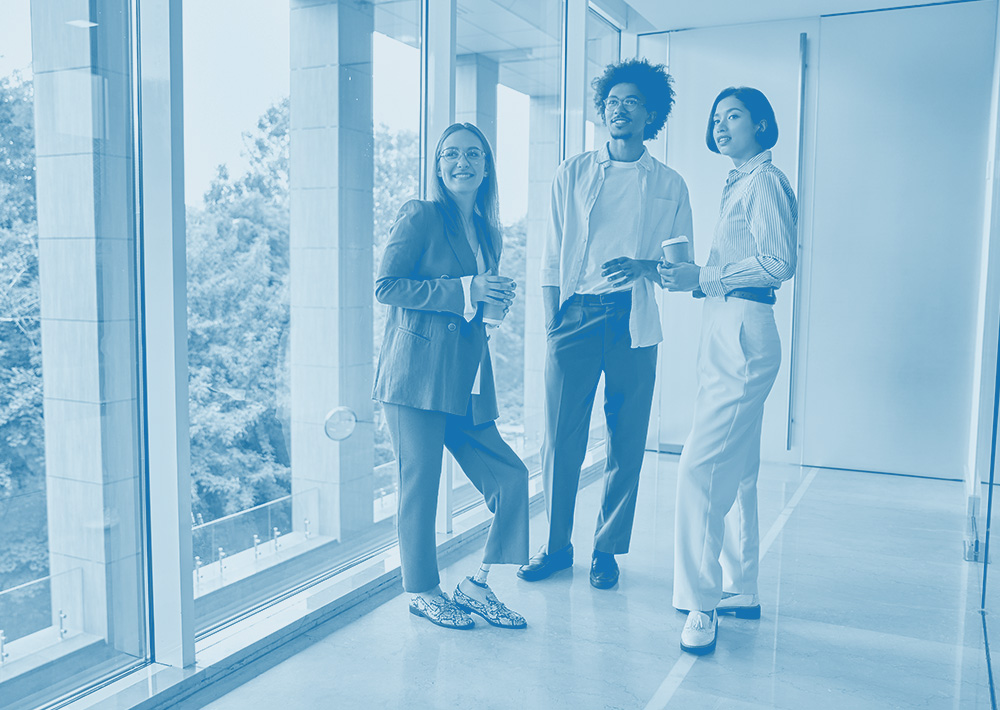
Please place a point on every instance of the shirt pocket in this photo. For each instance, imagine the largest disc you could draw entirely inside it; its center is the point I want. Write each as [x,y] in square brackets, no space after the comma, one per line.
[662,214]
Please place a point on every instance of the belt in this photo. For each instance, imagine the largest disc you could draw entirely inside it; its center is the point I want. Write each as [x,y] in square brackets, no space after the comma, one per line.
[615,298]
[760,295]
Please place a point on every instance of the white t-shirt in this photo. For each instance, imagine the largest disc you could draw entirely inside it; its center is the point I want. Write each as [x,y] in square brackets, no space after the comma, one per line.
[614,226]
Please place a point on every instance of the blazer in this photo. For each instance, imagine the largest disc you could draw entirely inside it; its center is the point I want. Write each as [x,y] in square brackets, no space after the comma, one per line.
[430,353]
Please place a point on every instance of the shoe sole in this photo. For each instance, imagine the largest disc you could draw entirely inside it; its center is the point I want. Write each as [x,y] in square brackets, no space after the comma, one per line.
[741,612]
[422,615]
[699,650]
[470,610]
[536,577]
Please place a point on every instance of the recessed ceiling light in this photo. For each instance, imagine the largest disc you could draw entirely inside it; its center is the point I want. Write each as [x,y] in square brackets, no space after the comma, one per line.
[85,24]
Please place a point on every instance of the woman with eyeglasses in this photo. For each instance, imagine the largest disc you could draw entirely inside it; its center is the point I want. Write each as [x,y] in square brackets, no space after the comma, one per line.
[753,252]
[435,380]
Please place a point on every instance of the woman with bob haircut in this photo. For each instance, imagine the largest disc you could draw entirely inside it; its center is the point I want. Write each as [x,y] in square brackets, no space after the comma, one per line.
[435,379]
[753,252]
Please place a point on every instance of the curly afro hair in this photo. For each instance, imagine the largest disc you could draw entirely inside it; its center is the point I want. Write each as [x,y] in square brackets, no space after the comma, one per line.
[653,81]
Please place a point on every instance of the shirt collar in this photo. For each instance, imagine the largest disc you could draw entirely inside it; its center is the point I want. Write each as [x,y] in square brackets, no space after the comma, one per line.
[752,164]
[645,160]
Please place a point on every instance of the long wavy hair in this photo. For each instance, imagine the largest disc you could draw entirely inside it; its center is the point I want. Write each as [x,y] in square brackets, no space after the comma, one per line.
[487,206]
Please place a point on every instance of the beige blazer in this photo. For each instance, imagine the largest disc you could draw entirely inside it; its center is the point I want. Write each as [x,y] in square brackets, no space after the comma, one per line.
[430,353]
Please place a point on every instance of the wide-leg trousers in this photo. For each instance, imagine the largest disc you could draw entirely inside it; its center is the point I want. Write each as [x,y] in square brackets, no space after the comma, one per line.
[418,439]
[716,536]
[585,340]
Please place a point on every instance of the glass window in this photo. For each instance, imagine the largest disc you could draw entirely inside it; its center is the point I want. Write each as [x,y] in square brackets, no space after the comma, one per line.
[508,84]
[396,116]
[603,48]
[293,174]
[71,563]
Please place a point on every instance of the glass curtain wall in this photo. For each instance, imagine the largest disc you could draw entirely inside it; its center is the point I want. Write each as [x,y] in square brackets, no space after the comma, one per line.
[396,116]
[301,124]
[507,82]
[71,566]
[603,48]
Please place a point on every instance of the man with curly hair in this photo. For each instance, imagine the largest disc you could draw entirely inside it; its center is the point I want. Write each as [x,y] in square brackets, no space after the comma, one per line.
[611,208]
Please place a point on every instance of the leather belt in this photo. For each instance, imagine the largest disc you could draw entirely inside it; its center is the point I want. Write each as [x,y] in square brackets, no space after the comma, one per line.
[760,295]
[615,298]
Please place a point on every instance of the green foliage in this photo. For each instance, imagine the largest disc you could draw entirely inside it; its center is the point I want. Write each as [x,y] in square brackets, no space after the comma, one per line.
[238,324]
[507,341]
[397,179]
[23,554]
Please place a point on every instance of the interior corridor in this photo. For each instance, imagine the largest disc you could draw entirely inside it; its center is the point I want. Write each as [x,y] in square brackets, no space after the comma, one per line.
[867,603]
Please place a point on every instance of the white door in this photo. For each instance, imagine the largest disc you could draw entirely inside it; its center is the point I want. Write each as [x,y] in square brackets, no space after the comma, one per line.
[895,234]
[702,63]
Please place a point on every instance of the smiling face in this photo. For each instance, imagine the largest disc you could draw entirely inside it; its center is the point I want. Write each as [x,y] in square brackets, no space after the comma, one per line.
[462,163]
[734,131]
[626,123]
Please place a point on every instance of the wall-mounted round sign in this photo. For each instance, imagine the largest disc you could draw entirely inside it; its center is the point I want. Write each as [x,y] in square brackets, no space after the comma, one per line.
[340,423]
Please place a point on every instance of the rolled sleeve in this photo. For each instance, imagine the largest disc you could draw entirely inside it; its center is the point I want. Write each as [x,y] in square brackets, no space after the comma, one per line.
[710,281]
[398,282]
[552,245]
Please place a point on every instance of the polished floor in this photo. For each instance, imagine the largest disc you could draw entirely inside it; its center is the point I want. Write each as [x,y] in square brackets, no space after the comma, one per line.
[867,604]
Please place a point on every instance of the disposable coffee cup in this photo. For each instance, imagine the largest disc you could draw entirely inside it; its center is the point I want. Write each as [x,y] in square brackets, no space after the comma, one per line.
[493,313]
[676,250]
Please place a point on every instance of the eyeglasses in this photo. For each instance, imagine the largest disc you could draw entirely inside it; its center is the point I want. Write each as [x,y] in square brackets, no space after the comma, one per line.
[628,103]
[451,155]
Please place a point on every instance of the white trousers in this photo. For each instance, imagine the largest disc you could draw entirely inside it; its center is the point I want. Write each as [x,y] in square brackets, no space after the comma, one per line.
[716,537]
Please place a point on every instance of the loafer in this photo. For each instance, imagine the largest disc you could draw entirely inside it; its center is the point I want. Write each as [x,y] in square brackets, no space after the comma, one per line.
[603,570]
[544,565]
[700,632]
[441,611]
[742,606]
[493,611]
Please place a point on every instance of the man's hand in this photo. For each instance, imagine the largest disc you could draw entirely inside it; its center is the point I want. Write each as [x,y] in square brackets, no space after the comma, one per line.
[622,271]
[492,289]
[679,277]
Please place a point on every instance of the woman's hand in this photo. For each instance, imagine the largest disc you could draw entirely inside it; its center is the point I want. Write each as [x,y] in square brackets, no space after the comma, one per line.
[682,276]
[492,289]
[622,271]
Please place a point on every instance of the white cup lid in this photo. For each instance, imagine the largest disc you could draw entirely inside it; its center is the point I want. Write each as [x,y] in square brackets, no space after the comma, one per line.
[676,240]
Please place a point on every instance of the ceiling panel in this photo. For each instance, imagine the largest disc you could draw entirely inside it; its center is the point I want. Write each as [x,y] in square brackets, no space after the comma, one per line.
[683,14]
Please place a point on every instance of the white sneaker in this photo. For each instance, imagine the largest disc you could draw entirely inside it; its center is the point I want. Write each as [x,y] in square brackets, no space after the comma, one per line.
[742,606]
[700,632]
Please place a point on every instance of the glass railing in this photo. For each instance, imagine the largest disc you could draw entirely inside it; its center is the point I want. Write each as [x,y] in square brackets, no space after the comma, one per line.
[31,623]
[240,545]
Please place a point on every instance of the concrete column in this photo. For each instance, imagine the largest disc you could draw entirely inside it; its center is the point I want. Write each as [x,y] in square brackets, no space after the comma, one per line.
[86,256]
[476,93]
[543,136]
[331,175]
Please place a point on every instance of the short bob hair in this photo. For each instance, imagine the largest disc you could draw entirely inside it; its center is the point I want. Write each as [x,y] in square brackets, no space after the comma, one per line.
[760,110]
[487,199]
[653,81]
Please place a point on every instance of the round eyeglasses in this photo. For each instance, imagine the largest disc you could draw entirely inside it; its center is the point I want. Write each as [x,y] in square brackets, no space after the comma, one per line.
[451,155]
[628,103]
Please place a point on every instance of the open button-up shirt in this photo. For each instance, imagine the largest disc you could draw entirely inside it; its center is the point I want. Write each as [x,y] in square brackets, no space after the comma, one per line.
[665,213]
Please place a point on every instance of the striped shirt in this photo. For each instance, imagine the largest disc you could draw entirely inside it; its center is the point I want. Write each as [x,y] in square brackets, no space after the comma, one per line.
[755,240]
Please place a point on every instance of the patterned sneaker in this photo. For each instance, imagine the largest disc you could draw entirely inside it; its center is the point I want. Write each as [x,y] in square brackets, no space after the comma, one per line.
[442,611]
[493,610]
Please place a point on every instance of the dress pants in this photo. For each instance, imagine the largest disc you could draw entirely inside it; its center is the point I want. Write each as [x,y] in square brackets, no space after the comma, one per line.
[418,439]
[583,341]
[716,536]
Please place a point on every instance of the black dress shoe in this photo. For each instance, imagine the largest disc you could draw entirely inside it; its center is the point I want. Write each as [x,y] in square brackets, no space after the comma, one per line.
[545,565]
[603,570]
